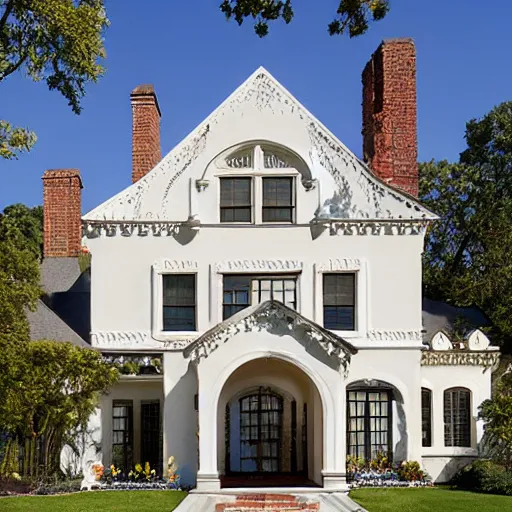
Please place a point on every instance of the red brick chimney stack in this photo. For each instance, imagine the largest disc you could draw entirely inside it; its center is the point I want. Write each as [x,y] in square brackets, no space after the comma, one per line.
[62,206]
[390,145]
[146,151]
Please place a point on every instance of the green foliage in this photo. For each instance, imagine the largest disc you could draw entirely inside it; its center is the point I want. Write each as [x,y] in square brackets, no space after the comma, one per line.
[352,16]
[497,415]
[467,258]
[410,471]
[485,476]
[58,41]
[23,226]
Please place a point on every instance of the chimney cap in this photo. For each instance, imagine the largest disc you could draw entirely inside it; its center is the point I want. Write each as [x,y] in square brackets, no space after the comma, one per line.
[145,90]
[63,173]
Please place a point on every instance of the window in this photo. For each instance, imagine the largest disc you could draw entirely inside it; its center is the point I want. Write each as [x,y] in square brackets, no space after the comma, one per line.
[457,415]
[426,417]
[179,302]
[235,199]
[339,301]
[151,434]
[369,423]
[122,434]
[278,199]
[241,291]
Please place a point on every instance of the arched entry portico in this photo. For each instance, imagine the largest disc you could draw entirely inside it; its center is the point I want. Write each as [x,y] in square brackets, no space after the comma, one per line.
[272,331]
[270,425]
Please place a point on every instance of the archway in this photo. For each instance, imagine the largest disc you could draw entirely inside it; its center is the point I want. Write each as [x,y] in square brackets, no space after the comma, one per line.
[270,426]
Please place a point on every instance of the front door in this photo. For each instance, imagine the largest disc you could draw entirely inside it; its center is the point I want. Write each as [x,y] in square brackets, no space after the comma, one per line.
[261,425]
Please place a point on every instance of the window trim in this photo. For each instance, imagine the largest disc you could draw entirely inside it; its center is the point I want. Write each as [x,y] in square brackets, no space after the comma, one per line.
[159,269]
[359,267]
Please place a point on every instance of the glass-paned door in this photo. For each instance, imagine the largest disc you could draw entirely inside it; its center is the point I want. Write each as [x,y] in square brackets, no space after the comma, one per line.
[151,434]
[261,422]
[369,423]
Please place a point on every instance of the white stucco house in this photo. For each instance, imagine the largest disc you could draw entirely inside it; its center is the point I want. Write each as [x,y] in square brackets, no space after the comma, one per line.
[268,284]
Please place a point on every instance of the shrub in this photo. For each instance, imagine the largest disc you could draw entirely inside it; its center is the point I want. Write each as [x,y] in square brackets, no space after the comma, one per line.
[410,471]
[485,476]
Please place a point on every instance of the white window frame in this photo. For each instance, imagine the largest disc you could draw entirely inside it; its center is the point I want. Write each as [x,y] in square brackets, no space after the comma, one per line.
[348,266]
[257,172]
[249,267]
[159,269]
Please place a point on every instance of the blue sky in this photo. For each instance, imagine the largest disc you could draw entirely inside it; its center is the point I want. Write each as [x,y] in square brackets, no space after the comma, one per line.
[196,59]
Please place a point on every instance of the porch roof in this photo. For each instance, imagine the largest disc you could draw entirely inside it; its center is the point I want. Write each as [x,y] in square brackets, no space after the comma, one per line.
[270,315]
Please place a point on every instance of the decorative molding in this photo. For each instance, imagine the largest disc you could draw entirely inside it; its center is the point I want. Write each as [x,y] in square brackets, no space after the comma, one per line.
[138,340]
[487,359]
[309,184]
[375,227]
[258,266]
[478,340]
[339,264]
[93,229]
[168,265]
[441,342]
[276,318]
[398,335]
[202,185]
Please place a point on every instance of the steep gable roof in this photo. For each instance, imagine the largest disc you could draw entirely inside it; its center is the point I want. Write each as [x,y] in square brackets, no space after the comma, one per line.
[359,195]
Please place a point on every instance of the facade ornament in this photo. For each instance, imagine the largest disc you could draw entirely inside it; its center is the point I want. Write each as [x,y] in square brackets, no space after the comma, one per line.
[487,359]
[93,229]
[375,227]
[171,265]
[258,266]
[441,342]
[309,184]
[398,335]
[478,340]
[135,340]
[202,185]
[273,317]
[339,264]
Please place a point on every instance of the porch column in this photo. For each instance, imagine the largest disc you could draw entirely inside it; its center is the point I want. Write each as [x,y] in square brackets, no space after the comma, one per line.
[335,445]
[208,474]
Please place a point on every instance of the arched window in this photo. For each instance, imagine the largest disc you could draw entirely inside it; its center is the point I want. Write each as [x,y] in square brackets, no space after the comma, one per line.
[457,417]
[426,417]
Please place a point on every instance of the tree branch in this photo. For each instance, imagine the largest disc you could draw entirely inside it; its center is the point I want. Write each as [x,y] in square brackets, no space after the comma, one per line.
[13,67]
[8,9]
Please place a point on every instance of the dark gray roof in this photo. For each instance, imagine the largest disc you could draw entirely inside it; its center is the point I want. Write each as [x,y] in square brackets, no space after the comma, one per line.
[64,311]
[59,274]
[440,316]
[47,325]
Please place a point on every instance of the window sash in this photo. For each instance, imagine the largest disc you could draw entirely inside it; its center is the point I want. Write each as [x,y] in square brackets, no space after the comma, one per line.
[426,417]
[369,423]
[122,434]
[457,418]
[241,291]
[236,199]
[179,302]
[339,301]
[278,199]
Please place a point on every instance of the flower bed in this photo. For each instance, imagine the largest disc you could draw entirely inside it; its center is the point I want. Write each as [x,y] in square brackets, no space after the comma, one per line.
[381,472]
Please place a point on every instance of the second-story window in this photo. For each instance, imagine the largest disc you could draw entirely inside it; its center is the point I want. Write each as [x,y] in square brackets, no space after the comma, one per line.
[241,291]
[179,302]
[339,291]
[278,200]
[236,200]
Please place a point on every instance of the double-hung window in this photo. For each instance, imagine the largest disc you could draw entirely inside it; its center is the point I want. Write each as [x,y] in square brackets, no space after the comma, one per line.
[457,417]
[179,302]
[278,199]
[241,291]
[339,301]
[236,199]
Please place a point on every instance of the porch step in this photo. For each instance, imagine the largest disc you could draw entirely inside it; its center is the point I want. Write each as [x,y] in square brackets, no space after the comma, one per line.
[268,503]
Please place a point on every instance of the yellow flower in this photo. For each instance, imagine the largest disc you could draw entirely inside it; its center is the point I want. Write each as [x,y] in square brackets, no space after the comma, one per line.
[138,468]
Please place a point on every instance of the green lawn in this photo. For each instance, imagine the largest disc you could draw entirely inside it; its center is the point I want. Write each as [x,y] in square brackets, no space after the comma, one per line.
[429,500]
[97,501]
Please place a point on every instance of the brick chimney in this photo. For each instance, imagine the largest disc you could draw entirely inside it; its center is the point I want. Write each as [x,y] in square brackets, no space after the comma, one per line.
[390,145]
[62,205]
[146,151]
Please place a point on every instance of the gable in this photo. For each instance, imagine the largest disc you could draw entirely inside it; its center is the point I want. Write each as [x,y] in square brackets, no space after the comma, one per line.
[261,109]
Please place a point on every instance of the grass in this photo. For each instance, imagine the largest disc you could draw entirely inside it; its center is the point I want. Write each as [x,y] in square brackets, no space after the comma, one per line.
[428,500]
[97,501]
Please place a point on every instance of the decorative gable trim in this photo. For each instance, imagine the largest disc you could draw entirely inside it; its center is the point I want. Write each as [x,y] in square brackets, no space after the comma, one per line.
[271,316]
[487,359]
[258,266]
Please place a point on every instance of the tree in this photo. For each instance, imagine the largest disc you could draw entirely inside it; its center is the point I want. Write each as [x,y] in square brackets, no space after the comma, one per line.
[25,225]
[352,16]
[59,41]
[467,258]
[497,415]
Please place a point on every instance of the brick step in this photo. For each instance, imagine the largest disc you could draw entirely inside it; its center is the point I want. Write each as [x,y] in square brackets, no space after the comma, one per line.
[267,503]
